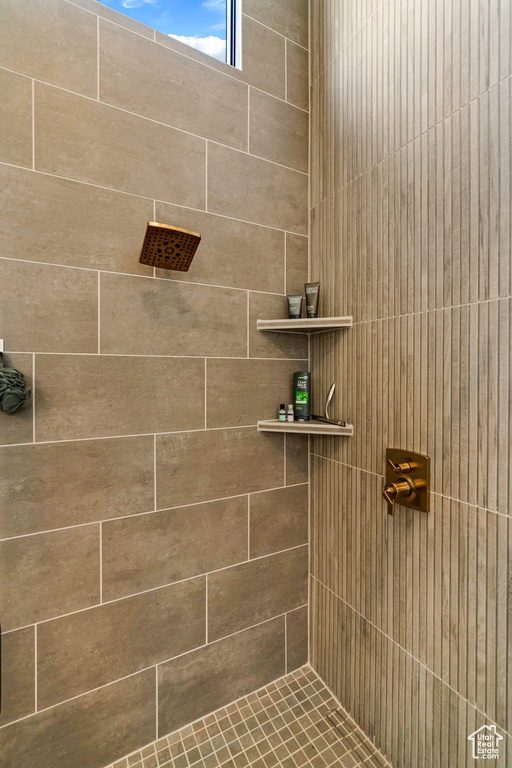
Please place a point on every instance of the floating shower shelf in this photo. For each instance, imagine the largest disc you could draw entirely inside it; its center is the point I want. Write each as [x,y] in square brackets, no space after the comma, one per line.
[305,324]
[311,427]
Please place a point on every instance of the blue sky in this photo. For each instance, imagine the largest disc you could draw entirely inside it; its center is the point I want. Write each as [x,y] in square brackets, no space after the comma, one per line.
[200,23]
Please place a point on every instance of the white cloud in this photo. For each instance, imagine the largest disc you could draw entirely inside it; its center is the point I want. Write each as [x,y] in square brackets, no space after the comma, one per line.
[137,3]
[211,45]
[219,5]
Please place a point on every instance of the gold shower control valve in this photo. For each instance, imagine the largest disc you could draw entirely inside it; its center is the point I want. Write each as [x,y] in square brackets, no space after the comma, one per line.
[401,469]
[410,489]
[394,491]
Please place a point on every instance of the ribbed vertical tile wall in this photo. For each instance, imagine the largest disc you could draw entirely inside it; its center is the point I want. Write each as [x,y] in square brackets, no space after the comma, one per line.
[411,234]
[145,578]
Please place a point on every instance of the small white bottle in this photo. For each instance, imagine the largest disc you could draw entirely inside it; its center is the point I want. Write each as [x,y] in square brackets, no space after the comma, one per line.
[289,412]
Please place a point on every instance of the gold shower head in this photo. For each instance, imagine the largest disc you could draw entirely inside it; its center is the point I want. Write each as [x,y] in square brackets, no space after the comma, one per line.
[169,247]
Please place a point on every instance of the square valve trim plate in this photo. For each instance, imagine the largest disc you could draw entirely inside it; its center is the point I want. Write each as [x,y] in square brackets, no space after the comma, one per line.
[413,469]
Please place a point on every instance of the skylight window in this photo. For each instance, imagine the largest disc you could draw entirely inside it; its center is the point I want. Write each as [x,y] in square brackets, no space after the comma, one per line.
[207,25]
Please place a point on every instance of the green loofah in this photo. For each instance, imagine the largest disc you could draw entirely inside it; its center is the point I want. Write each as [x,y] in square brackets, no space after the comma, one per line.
[14,393]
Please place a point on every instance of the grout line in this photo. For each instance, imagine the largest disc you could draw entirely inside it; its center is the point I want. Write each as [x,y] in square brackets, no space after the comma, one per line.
[145,197]
[33,128]
[154,475]
[157,122]
[98,57]
[99,313]
[145,669]
[156,707]
[167,125]
[248,326]
[286,643]
[248,119]
[248,526]
[33,398]
[206,615]
[226,498]
[206,176]
[285,264]
[433,493]
[154,219]
[400,149]
[160,587]
[165,357]
[249,154]
[408,653]
[286,69]
[150,277]
[35,668]
[145,434]
[101,563]
[274,30]
[205,393]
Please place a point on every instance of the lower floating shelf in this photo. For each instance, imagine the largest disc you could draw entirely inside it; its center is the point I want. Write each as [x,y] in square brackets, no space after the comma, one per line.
[311,427]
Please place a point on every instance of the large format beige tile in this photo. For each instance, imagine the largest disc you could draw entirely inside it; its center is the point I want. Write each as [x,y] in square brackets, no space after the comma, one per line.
[150,80]
[50,40]
[264,306]
[141,316]
[242,392]
[297,458]
[256,591]
[49,219]
[18,675]
[252,189]
[18,427]
[16,119]
[232,253]
[198,466]
[288,17]
[212,677]
[297,80]
[89,732]
[296,638]
[296,263]
[87,649]
[45,308]
[49,574]
[88,141]
[279,519]
[278,131]
[100,396]
[147,551]
[263,58]
[60,484]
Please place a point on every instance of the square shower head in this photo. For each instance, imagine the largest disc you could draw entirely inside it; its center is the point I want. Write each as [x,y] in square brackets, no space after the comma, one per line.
[169,247]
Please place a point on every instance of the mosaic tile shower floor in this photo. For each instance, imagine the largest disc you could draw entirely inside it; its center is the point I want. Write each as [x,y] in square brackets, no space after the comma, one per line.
[284,724]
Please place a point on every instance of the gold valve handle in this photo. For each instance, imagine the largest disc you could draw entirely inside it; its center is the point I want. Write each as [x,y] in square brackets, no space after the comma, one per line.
[402,469]
[394,491]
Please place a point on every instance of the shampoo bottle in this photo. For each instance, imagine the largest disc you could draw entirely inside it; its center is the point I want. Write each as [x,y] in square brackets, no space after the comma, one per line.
[302,395]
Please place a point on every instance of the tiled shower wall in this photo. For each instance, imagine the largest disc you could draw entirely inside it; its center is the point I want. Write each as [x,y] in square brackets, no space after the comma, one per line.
[410,234]
[153,553]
